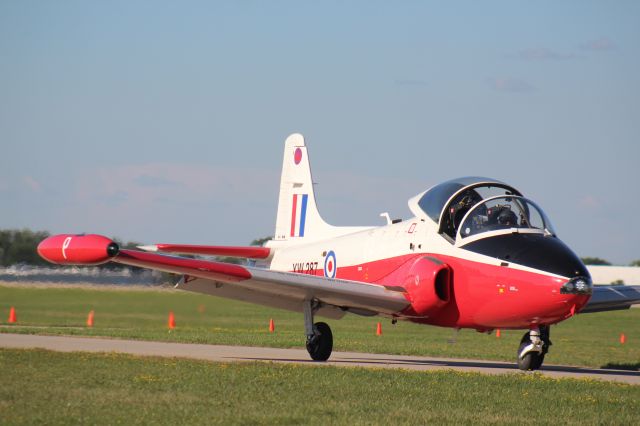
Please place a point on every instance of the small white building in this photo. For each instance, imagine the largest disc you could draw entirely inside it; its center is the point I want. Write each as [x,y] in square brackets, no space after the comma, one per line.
[629,275]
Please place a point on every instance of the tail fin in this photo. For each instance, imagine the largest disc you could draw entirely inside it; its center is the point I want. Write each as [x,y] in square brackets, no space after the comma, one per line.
[298,219]
[298,216]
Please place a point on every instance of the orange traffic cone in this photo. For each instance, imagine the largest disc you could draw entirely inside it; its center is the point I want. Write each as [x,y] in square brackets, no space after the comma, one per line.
[498,333]
[12,316]
[172,321]
[272,326]
[623,339]
[90,319]
[379,330]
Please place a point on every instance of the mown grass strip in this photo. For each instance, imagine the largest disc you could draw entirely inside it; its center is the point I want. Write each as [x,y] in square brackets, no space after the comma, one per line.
[59,388]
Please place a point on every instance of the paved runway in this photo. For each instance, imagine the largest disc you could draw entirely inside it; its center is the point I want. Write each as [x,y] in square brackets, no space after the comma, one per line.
[220,353]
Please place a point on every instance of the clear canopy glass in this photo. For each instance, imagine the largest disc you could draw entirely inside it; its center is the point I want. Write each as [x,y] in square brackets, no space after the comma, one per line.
[504,212]
[435,201]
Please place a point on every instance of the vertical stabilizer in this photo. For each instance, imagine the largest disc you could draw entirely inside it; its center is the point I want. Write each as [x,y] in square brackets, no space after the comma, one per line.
[298,217]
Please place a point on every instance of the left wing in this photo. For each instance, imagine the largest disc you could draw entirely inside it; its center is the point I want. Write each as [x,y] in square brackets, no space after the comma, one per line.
[272,288]
[283,290]
[611,298]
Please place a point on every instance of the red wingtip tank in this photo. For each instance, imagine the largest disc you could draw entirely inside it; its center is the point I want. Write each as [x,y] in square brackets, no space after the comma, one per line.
[69,249]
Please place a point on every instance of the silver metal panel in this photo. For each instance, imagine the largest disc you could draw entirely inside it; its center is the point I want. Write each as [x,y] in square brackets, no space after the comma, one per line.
[287,290]
[243,294]
[336,292]
[612,297]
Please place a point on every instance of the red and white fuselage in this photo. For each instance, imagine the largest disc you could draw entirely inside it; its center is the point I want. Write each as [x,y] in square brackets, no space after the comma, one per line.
[480,291]
[446,283]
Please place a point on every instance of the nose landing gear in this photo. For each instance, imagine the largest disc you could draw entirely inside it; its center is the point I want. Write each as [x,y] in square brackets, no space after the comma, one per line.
[533,347]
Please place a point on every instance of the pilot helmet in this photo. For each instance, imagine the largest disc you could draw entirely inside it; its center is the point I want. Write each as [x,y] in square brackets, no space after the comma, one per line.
[507,217]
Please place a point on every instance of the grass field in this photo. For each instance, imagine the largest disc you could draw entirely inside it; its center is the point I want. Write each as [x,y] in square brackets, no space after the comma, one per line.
[588,340]
[40,387]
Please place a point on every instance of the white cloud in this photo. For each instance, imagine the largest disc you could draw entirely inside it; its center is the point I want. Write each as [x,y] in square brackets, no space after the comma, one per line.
[508,84]
[599,45]
[540,54]
[143,184]
[410,82]
[589,201]
[32,184]
[154,181]
[183,202]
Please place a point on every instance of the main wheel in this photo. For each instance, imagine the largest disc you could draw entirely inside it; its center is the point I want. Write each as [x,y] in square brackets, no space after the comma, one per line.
[321,344]
[531,361]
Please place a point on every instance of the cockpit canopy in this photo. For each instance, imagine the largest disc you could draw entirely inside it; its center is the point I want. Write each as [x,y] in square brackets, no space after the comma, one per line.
[469,206]
[504,212]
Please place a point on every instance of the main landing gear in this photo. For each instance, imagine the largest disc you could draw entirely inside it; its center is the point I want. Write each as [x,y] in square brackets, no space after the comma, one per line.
[533,347]
[319,336]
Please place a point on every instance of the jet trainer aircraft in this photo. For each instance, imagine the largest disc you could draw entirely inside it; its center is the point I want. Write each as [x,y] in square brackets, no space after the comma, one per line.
[476,254]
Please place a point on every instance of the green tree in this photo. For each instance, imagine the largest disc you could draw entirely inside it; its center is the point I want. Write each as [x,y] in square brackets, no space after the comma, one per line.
[260,241]
[635,263]
[229,259]
[240,260]
[20,246]
[594,261]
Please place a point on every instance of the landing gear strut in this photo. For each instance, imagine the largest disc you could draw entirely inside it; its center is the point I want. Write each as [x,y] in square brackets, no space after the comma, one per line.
[319,336]
[533,347]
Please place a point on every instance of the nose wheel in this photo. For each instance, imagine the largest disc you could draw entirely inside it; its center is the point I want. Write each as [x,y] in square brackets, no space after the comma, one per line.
[534,345]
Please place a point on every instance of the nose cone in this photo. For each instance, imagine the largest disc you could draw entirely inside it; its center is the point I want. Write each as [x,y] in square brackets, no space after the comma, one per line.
[542,252]
[547,298]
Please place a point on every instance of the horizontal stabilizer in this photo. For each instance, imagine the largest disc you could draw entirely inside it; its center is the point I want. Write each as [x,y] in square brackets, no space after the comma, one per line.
[251,252]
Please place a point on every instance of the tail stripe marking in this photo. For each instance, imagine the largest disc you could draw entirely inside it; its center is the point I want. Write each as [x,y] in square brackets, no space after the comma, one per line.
[293,215]
[298,214]
[303,213]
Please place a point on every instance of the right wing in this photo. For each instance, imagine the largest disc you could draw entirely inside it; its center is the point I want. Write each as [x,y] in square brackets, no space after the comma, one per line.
[611,298]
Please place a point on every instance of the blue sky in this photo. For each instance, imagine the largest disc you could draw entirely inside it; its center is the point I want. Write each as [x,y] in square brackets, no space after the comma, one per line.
[165,121]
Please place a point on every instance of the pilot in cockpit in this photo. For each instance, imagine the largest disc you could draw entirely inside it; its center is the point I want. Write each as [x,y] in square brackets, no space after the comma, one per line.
[459,209]
[506,217]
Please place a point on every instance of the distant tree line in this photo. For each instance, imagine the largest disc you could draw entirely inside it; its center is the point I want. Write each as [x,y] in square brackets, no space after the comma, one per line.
[594,261]
[19,246]
[601,262]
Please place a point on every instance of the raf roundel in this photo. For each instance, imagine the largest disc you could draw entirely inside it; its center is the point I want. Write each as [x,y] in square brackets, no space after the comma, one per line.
[297,156]
[330,266]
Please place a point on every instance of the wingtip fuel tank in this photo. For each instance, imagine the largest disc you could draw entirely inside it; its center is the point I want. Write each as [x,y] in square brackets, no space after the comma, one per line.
[70,249]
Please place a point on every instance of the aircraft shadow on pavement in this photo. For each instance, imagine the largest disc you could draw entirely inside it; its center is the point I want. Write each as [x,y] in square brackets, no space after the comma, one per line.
[618,366]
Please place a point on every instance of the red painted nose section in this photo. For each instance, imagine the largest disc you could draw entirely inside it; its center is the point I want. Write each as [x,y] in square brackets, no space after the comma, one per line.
[67,249]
